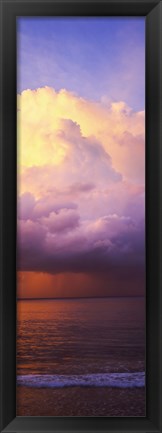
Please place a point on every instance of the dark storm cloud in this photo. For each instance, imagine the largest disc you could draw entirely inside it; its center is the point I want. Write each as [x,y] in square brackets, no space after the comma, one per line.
[78,250]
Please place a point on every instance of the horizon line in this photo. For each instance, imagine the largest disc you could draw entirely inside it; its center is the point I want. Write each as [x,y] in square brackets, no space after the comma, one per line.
[78,297]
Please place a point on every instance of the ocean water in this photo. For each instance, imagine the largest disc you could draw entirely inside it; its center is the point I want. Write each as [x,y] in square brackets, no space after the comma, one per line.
[81,343]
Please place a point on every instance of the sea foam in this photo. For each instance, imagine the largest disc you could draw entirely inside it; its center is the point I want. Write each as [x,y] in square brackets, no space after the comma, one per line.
[112,380]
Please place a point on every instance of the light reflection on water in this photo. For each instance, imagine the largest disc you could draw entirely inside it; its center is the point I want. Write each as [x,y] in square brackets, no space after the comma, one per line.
[80,336]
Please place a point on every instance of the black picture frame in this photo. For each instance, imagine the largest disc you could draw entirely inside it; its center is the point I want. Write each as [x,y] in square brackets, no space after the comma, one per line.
[152,10]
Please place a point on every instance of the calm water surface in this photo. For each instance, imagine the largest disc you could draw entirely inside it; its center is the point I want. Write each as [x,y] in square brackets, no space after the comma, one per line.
[93,341]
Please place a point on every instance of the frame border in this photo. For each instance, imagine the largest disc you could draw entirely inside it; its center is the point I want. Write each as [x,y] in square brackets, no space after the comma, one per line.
[152,10]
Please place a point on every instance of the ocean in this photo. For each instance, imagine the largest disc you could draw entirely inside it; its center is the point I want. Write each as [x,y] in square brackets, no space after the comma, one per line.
[71,348]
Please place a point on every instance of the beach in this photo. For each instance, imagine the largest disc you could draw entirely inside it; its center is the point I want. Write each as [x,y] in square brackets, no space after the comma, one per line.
[81,402]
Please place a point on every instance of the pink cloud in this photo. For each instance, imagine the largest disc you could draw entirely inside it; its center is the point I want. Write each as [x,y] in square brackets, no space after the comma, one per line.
[81,174]
[62,221]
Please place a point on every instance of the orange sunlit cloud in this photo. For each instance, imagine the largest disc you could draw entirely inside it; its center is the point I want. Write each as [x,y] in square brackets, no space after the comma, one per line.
[81,170]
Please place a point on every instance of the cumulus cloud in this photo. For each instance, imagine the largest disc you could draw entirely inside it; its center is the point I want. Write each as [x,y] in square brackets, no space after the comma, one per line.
[31,208]
[60,222]
[62,243]
[48,119]
[81,186]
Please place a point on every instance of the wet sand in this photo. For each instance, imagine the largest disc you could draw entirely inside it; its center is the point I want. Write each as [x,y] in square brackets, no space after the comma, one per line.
[80,402]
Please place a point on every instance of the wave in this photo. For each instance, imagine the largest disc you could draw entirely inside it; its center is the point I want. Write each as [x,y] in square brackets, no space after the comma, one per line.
[112,380]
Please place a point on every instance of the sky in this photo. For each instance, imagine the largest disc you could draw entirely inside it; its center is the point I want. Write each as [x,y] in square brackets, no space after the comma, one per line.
[81,157]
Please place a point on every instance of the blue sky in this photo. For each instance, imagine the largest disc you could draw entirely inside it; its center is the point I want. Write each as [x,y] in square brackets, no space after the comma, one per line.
[96,58]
